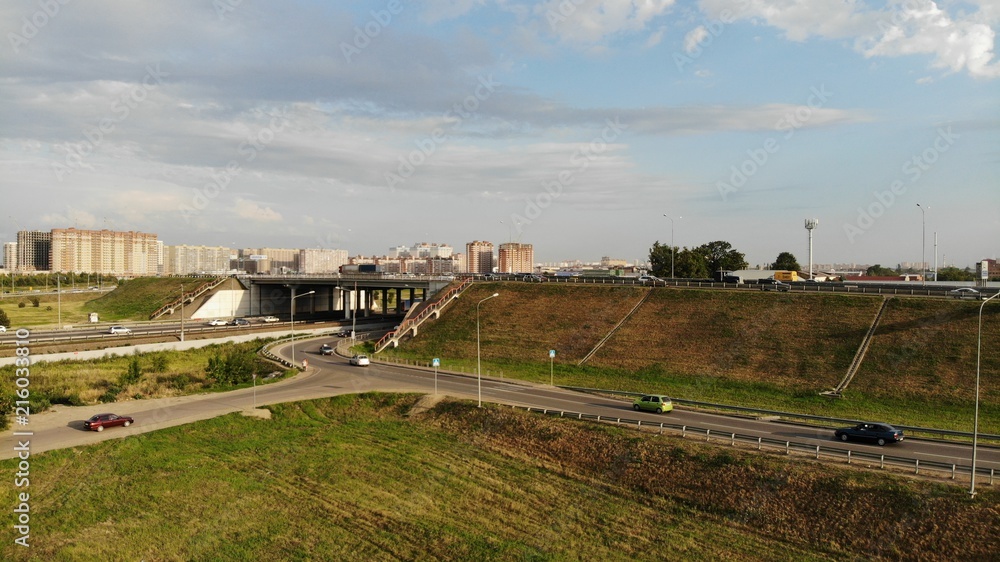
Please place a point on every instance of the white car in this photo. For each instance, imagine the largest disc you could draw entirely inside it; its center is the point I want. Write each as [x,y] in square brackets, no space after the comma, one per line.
[119,330]
[360,360]
[965,293]
[217,322]
[269,319]
[3,329]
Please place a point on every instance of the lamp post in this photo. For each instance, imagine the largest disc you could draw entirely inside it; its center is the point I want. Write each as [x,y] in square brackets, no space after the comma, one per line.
[811,225]
[354,313]
[292,303]
[672,245]
[923,243]
[479,362]
[975,423]
[59,300]
[182,312]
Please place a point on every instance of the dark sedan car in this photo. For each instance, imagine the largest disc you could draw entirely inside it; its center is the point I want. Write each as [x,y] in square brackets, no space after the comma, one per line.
[880,433]
[326,349]
[99,421]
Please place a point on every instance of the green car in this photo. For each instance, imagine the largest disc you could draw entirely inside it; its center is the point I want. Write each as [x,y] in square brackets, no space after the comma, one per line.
[653,403]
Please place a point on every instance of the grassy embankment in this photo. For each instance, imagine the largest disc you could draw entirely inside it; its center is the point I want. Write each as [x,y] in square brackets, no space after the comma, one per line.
[355,478]
[132,300]
[773,351]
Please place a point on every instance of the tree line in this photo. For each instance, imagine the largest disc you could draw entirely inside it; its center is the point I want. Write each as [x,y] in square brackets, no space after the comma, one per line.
[703,261]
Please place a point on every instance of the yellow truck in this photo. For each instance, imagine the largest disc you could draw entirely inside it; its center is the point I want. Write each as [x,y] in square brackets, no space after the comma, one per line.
[787,276]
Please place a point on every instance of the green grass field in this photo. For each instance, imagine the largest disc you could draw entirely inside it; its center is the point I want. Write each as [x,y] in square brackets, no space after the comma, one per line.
[356,478]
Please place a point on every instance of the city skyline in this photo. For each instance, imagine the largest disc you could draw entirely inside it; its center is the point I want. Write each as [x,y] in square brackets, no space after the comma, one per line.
[586,129]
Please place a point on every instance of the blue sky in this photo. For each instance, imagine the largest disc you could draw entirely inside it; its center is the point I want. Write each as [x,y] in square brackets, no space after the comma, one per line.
[573,125]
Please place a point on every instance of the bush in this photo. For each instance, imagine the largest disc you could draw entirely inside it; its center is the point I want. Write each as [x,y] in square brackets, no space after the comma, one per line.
[160,363]
[4,319]
[35,301]
[133,374]
[110,395]
[235,367]
[21,304]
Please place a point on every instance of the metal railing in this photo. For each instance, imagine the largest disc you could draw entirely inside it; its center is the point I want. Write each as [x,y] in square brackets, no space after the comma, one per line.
[790,415]
[952,470]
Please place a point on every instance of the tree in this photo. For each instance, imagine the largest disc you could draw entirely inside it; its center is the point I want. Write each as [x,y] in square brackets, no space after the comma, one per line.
[786,262]
[4,320]
[720,256]
[878,271]
[659,259]
[690,264]
[955,274]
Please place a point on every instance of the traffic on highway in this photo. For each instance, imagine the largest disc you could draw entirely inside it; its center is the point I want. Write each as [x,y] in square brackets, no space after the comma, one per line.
[333,374]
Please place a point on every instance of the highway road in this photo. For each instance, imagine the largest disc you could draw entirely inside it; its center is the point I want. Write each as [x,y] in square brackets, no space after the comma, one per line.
[332,375]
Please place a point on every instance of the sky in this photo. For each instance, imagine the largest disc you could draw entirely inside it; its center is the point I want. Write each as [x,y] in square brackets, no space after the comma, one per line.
[587,128]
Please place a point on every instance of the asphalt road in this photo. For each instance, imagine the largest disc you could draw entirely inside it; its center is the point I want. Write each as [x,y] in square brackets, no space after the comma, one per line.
[327,376]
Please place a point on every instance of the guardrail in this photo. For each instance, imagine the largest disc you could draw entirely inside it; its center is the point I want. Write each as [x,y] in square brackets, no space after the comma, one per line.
[825,286]
[197,329]
[789,447]
[808,417]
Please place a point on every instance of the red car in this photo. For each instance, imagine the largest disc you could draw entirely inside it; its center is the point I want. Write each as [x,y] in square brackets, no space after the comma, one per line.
[99,421]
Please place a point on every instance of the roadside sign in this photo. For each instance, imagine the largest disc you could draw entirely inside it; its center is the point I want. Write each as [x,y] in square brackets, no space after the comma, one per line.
[436,362]
[552,353]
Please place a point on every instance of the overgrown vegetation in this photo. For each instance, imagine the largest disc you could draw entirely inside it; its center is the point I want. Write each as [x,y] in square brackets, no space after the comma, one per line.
[141,375]
[355,478]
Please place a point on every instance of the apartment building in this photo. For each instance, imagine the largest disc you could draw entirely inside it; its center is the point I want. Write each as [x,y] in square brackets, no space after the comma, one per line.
[479,257]
[33,250]
[124,253]
[516,258]
[184,259]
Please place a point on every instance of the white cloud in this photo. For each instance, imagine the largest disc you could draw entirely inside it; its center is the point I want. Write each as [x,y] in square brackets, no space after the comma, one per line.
[595,21]
[253,211]
[694,38]
[960,41]
[921,27]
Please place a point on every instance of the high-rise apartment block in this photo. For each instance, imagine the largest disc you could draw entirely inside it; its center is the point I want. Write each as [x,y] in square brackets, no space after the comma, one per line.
[516,258]
[185,260]
[111,252]
[321,261]
[10,256]
[479,257]
[33,250]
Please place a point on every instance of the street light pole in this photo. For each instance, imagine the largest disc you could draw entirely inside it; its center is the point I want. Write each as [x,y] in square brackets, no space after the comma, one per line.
[923,243]
[182,312]
[672,245]
[975,423]
[479,361]
[292,303]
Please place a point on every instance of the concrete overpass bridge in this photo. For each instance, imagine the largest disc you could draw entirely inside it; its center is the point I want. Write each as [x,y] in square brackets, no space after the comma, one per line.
[322,296]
